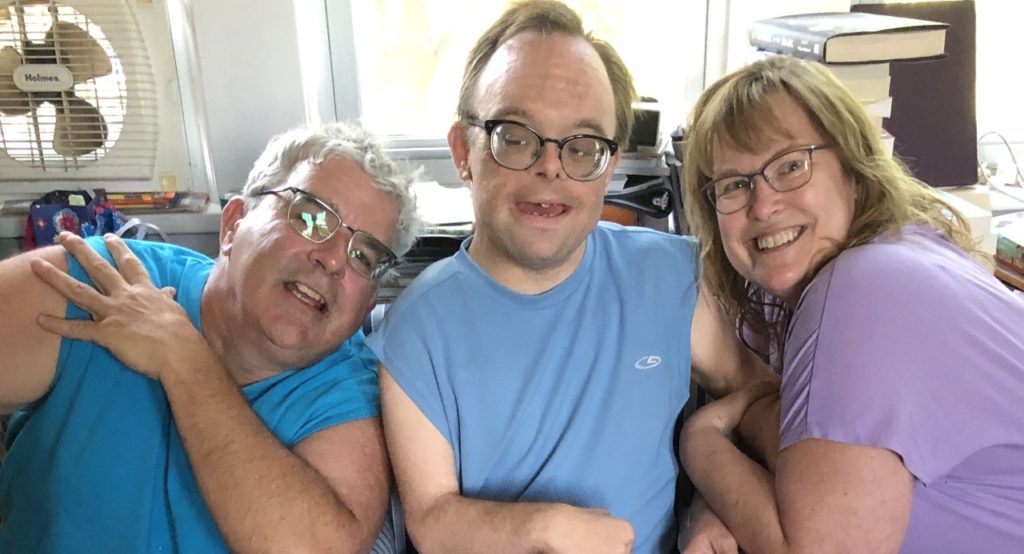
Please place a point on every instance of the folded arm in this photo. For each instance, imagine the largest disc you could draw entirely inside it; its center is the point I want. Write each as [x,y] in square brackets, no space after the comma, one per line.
[440,519]
[327,494]
[826,496]
[705,532]
[722,364]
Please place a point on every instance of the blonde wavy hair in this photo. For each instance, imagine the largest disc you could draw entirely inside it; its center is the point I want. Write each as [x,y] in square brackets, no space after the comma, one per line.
[735,112]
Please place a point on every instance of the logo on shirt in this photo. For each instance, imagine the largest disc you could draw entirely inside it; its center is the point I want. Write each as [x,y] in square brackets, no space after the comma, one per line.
[648,362]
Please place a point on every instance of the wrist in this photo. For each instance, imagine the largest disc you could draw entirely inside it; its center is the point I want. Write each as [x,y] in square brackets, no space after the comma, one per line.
[193,360]
[541,525]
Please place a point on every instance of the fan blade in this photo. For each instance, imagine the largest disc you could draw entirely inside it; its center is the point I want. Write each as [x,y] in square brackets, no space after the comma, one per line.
[80,127]
[13,101]
[76,49]
[7,12]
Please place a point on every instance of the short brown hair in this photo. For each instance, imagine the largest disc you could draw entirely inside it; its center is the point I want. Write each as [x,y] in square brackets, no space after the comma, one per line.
[549,17]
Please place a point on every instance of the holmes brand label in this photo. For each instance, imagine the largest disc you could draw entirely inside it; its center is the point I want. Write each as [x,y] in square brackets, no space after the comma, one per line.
[43,78]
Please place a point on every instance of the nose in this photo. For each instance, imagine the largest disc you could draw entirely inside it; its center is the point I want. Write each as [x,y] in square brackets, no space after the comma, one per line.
[332,254]
[549,164]
[766,201]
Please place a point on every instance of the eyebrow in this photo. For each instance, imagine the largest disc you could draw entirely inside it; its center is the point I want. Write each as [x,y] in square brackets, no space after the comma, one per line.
[586,124]
[732,172]
[325,201]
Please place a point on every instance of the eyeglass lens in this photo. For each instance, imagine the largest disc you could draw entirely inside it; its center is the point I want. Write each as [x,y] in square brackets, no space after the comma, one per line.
[315,221]
[788,172]
[517,147]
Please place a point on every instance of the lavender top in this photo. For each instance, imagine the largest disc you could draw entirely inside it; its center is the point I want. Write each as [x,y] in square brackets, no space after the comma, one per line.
[906,344]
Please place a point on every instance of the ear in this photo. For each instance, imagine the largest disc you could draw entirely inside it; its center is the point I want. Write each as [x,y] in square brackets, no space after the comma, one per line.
[230,218]
[459,147]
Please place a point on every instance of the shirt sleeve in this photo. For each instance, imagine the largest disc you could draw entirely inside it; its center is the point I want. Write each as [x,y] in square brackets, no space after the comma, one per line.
[353,397]
[340,388]
[407,349]
[866,360]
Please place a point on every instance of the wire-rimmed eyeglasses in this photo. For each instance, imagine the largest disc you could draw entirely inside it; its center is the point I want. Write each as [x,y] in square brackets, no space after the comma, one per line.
[317,221]
[785,172]
[516,146]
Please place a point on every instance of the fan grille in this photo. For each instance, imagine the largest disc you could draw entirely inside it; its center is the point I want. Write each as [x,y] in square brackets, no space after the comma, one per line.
[29,138]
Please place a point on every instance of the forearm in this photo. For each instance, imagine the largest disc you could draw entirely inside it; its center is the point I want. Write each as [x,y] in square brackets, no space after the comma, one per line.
[704,531]
[759,430]
[739,490]
[455,524]
[262,496]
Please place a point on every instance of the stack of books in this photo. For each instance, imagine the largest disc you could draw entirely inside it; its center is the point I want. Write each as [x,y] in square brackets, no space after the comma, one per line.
[1009,230]
[857,47]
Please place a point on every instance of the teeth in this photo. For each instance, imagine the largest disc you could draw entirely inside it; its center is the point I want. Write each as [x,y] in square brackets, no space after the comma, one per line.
[311,294]
[545,206]
[778,239]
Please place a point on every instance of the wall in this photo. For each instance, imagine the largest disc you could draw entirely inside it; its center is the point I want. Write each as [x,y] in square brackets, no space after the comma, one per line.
[252,82]
[248,62]
[728,46]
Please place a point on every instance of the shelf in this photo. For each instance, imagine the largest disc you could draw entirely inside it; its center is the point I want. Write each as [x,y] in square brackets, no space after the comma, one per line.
[208,221]
[1012,279]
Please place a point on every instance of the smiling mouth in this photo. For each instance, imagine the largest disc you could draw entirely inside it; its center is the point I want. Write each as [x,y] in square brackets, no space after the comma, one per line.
[307,296]
[542,209]
[778,240]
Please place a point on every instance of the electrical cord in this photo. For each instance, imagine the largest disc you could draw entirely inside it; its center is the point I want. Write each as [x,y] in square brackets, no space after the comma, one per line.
[1019,178]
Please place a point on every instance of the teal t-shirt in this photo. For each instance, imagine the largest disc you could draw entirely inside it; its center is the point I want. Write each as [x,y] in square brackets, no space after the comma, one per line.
[97,465]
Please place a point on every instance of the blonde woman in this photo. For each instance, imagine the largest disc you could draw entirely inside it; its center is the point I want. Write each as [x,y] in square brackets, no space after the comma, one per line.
[902,358]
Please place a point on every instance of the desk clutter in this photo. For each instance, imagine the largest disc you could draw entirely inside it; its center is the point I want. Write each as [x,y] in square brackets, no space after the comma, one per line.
[1009,230]
[911,65]
[96,212]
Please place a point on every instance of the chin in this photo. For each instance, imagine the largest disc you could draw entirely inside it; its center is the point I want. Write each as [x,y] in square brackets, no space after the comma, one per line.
[787,289]
[542,254]
[290,335]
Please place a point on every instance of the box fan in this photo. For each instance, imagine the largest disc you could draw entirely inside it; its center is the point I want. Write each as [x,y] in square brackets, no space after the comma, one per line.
[77,94]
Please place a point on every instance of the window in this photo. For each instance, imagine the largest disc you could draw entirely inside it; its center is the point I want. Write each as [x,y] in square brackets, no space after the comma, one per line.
[398,63]
[1000,52]
[91,114]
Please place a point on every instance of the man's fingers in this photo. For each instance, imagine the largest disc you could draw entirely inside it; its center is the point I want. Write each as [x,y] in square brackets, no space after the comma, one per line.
[77,292]
[129,265]
[81,329]
[104,275]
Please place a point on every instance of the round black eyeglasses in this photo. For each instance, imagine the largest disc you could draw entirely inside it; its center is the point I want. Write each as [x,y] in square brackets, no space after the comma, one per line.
[514,145]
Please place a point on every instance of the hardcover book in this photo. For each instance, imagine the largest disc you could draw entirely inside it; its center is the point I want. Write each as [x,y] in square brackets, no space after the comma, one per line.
[867,82]
[1010,244]
[850,37]
[933,103]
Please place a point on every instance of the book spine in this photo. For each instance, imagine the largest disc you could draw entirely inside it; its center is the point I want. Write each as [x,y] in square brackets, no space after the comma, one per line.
[787,40]
[1010,253]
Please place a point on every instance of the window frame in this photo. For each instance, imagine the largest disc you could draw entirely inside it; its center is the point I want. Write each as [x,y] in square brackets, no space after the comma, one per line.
[433,153]
[430,153]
